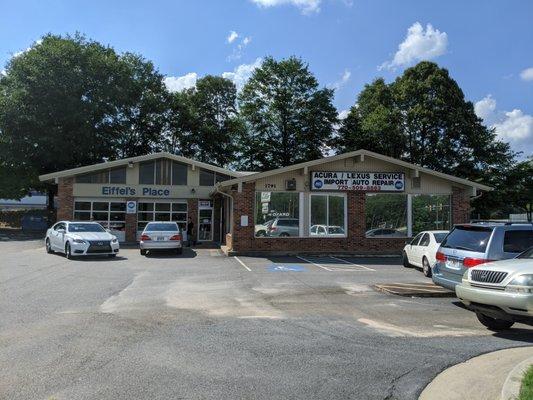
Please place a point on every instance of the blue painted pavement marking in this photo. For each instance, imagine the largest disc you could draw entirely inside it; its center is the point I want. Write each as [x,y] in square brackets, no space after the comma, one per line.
[286,268]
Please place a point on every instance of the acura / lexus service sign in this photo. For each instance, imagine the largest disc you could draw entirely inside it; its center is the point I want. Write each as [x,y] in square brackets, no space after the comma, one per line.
[359,181]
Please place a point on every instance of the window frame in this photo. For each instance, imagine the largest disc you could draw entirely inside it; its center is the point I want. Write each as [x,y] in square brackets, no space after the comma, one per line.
[408,217]
[156,163]
[101,172]
[328,235]
[300,216]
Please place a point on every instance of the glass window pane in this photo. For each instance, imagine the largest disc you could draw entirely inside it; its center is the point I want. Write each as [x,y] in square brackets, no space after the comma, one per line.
[117,175]
[277,214]
[319,214]
[336,215]
[145,206]
[145,216]
[96,177]
[179,217]
[82,205]
[146,173]
[221,178]
[163,171]
[100,206]
[179,207]
[431,212]
[100,216]
[118,206]
[115,216]
[207,178]
[82,216]
[179,174]
[162,206]
[162,216]
[386,215]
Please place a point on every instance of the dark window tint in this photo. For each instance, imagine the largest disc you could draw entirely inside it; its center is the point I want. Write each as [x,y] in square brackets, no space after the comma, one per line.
[97,177]
[415,241]
[162,172]
[117,175]
[439,237]
[179,174]
[222,178]
[85,228]
[527,254]
[146,173]
[471,238]
[207,178]
[161,228]
[517,241]
[287,222]
[425,240]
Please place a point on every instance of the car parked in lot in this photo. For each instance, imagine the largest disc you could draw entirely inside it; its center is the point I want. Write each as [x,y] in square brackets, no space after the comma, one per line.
[80,239]
[420,252]
[318,230]
[384,232]
[501,292]
[161,236]
[262,229]
[469,245]
[284,227]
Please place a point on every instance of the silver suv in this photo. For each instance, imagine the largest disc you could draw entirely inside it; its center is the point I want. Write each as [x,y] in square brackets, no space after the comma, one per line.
[284,227]
[473,244]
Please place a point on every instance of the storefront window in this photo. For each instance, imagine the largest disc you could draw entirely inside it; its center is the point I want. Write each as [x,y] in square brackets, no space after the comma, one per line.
[207,178]
[153,211]
[111,215]
[117,175]
[430,212]
[277,214]
[386,215]
[179,174]
[146,173]
[162,172]
[328,215]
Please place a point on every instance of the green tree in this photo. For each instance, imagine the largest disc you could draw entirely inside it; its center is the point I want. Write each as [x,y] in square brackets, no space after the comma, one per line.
[207,122]
[288,117]
[69,101]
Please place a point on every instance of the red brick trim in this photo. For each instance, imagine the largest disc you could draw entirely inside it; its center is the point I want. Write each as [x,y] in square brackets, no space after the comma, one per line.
[65,199]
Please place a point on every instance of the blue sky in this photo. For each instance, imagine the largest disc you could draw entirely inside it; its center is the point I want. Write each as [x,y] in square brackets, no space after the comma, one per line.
[486,45]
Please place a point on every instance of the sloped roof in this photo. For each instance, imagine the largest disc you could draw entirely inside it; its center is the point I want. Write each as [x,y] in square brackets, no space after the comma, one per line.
[126,161]
[350,154]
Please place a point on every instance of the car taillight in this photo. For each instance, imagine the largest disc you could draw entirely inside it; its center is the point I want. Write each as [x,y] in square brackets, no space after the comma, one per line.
[440,256]
[175,237]
[470,262]
[144,238]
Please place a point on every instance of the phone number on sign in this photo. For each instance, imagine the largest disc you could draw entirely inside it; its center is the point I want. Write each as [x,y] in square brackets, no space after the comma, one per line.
[359,187]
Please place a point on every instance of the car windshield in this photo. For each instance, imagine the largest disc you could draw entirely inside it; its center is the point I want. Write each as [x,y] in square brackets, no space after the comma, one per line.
[85,228]
[527,254]
[161,227]
[470,238]
[335,230]
[439,237]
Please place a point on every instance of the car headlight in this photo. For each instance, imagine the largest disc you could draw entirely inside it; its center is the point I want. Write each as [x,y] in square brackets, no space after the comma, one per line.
[79,241]
[521,284]
[114,240]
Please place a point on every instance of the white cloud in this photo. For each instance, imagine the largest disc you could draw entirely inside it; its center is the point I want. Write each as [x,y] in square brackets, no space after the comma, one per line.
[306,6]
[238,50]
[342,114]
[3,72]
[342,81]
[419,44]
[242,73]
[513,126]
[179,83]
[527,74]
[232,36]
[36,43]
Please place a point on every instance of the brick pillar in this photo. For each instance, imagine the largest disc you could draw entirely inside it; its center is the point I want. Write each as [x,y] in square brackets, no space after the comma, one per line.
[243,204]
[217,203]
[131,225]
[65,199]
[460,205]
[192,212]
[356,215]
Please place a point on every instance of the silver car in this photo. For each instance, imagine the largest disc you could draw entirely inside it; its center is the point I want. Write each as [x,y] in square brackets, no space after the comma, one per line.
[161,236]
[468,245]
[501,292]
[284,227]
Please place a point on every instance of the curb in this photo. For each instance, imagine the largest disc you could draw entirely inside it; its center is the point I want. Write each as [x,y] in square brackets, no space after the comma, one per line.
[511,387]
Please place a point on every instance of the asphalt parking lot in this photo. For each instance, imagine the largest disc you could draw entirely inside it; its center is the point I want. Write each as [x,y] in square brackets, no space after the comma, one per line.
[205,326]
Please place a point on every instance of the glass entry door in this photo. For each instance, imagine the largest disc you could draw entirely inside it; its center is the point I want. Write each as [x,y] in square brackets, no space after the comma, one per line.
[205,221]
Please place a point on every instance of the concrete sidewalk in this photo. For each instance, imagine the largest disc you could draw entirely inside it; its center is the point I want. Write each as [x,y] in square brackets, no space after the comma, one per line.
[480,378]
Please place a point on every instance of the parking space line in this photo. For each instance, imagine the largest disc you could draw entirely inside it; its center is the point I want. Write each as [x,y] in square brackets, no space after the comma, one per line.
[350,263]
[311,262]
[243,264]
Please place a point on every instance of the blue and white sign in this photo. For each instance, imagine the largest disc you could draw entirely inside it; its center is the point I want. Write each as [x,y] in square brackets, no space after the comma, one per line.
[358,181]
[286,268]
[131,207]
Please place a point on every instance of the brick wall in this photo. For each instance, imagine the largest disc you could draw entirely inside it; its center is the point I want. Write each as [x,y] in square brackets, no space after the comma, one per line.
[460,205]
[192,210]
[65,199]
[131,225]
[243,239]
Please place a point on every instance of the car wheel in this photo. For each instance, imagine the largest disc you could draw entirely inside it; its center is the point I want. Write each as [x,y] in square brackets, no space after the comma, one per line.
[68,251]
[111,255]
[261,234]
[405,260]
[494,324]
[179,251]
[426,269]
[284,234]
[48,247]
[143,252]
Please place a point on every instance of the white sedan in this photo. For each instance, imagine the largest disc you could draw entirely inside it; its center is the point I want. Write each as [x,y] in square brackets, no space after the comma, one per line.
[80,239]
[420,252]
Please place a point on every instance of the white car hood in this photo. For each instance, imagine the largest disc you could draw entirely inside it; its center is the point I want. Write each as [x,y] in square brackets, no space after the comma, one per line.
[522,265]
[91,235]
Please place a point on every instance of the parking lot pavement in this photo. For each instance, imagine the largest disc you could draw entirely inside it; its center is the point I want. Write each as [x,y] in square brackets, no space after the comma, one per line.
[203,325]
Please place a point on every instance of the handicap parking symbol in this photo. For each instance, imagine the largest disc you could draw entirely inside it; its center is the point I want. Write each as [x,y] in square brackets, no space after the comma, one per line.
[286,268]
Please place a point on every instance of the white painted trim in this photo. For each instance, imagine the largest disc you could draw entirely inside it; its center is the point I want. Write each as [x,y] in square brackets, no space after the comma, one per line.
[327,194]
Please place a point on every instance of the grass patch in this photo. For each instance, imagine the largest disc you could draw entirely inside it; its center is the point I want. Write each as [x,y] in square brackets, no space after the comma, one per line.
[526,390]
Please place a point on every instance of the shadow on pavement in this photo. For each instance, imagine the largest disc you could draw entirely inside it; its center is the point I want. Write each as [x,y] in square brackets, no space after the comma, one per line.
[18,235]
[187,253]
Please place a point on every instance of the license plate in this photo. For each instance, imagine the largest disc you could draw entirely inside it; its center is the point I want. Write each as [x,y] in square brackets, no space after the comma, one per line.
[453,264]
[160,238]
